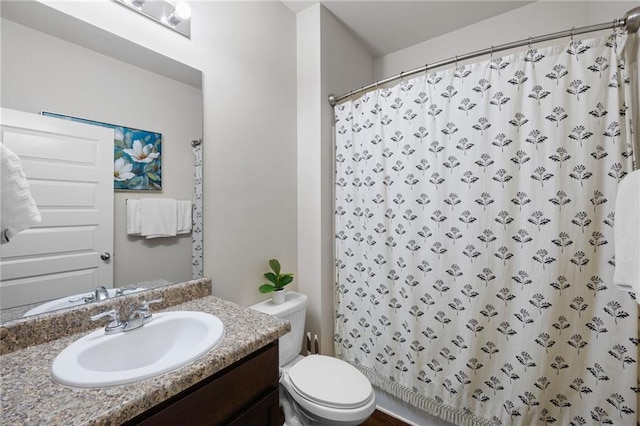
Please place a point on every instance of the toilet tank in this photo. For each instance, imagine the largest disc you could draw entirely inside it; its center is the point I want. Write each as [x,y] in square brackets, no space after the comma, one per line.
[293,310]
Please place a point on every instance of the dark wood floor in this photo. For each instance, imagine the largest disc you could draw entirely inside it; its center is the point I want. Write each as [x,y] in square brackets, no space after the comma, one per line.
[378,418]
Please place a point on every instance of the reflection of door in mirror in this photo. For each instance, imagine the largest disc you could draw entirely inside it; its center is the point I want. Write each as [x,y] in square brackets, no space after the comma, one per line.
[69,170]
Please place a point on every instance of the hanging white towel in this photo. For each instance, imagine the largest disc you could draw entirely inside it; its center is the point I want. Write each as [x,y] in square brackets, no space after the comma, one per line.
[134,217]
[184,216]
[159,217]
[18,208]
[627,234]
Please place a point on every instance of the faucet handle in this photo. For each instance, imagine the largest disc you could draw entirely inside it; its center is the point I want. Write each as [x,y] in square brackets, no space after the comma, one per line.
[145,311]
[113,314]
[144,304]
[144,307]
[122,290]
[115,325]
[87,298]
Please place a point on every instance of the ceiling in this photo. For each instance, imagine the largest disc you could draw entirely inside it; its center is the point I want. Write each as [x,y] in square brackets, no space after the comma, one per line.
[383,27]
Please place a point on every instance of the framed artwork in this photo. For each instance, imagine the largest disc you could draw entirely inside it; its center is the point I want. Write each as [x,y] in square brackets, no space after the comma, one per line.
[137,155]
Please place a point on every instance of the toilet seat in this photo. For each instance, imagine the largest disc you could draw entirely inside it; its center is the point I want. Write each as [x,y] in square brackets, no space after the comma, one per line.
[330,382]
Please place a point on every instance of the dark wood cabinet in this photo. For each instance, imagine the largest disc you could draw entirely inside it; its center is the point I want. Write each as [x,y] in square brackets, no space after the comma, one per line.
[245,393]
[263,413]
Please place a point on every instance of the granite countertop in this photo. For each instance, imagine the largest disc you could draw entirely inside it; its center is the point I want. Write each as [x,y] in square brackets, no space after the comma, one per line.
[31,396]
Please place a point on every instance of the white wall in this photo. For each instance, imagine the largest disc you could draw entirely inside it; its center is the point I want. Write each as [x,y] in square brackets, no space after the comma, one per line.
[246,52]
[532,20]
[330,60]
[250,143]
[309,153]
[40,72]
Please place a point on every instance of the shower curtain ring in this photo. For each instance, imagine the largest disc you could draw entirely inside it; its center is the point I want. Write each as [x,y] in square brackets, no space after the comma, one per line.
[401,76]
[572,28]
[491,51]
[529,42]
[456,60]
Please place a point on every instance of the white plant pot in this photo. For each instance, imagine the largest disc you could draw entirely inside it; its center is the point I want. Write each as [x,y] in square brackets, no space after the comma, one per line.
[278,296]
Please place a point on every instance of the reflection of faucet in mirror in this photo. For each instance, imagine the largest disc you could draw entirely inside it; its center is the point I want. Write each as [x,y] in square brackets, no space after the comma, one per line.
[101,293]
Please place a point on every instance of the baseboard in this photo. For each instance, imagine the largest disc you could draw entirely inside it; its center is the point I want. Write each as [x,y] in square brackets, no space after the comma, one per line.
[396,416]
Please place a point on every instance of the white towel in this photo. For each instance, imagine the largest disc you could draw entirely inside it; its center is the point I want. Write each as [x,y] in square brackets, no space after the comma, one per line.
[134,217]
[159,217]
[18,208]
[184,217]
[627,234]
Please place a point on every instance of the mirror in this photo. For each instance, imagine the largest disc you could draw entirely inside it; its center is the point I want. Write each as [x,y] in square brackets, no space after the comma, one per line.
[54,62]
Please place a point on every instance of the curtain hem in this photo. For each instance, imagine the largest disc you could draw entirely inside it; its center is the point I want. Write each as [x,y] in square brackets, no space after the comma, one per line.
[421,402]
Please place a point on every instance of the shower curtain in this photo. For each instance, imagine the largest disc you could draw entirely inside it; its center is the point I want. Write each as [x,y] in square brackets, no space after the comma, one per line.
[474,213]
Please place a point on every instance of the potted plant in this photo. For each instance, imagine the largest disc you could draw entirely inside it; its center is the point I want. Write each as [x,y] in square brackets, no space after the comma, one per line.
[277,282]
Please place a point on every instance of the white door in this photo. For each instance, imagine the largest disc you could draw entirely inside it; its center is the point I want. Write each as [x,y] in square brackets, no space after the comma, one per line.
[69,167]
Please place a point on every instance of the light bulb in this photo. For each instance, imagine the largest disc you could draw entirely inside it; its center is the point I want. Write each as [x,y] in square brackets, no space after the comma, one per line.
[181,12]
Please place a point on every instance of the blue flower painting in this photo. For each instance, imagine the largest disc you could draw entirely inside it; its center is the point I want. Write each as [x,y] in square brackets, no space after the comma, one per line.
[137,161]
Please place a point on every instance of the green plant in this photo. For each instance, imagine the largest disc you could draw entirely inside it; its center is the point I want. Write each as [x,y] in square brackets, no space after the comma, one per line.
[278,280]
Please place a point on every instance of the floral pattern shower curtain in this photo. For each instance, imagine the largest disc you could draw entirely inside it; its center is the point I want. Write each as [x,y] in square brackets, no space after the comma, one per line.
[474,239]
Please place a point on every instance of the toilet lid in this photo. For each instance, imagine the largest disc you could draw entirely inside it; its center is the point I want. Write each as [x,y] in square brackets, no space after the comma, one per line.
[330,382]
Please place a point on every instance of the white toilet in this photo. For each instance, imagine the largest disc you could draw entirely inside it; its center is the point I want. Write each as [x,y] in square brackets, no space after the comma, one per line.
[317,389]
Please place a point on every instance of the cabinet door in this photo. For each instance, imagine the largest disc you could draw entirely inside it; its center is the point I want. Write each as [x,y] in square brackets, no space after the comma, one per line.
[265,412]
[246,386]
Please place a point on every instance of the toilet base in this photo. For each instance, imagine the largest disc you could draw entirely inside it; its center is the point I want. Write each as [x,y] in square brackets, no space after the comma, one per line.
[292,416]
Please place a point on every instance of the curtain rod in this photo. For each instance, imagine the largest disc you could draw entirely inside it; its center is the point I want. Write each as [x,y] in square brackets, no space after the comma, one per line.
[629,23]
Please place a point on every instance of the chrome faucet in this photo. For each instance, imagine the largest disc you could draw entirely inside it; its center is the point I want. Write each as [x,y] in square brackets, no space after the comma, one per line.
[137,318]
[115,325]
[141,315]
[100,293]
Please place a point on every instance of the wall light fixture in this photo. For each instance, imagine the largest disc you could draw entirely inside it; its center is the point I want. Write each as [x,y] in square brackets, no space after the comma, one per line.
[174,16]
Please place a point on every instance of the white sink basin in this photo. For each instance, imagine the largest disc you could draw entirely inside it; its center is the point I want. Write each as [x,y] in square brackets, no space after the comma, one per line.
[69,301]
[170,341]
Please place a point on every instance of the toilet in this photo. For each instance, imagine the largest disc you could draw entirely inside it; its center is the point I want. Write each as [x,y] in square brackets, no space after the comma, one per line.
[316,389]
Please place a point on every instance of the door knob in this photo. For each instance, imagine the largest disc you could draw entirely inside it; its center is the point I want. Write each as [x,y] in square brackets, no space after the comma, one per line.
[105,256]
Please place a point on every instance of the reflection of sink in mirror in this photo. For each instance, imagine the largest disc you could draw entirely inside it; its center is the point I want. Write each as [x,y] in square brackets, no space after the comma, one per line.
[77,299]
[170,341]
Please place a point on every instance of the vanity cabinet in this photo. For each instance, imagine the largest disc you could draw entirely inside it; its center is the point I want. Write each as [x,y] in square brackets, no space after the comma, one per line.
[245,393]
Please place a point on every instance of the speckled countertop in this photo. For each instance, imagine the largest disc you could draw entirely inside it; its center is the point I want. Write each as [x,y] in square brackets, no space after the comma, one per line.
[30,396]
